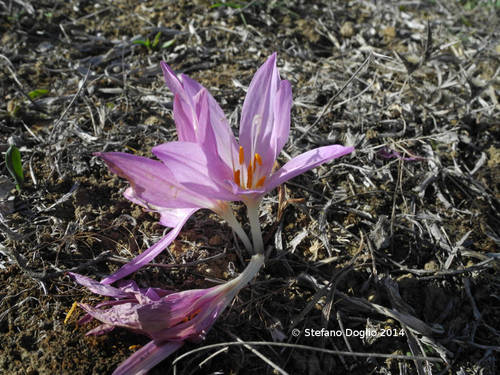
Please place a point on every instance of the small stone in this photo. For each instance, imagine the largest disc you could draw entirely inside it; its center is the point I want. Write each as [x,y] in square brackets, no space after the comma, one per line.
[44,47]
[306,27]
[12,107]
[395,110]
[347,29]
[494,156]
[152,120]
[431,266]
[414,59]
[389,32]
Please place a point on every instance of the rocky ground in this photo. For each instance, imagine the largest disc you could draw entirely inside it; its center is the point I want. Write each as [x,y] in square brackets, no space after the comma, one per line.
[400,237]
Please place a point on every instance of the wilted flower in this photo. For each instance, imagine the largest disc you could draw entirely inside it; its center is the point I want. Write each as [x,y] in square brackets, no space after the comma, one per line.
[168,318]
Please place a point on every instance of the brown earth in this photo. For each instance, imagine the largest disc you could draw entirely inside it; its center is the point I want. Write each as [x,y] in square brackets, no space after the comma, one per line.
[368,242]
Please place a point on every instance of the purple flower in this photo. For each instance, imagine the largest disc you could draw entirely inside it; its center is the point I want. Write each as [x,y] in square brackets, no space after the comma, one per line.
[208,160]
[207,168]
[168,318]
[386,153]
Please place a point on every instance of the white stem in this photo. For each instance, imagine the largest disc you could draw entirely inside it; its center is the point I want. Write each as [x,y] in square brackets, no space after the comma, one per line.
[222,295]
[233,286]
[235,225]
[251,270]
[253,217]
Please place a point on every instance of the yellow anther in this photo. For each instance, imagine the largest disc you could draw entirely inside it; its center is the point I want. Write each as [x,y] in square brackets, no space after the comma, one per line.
[237,177]
[250,176]
[134,347]
[257,159]
[70,312]
[242,155]
[261,181]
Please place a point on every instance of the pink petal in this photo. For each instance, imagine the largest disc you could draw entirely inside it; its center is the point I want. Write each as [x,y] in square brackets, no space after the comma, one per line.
[100,330]
[196,328]
[225,144]
[152,182]
[282,107]
[170,217]
[148,255]
[184,111]
[195,169]
[171,310]
[97,287]
[247,193]
[147,357]
[259,121]
[122,315]
[191,101]
[305,162]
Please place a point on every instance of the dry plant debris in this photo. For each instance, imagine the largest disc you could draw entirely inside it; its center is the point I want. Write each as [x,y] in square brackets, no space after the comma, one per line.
[403,235]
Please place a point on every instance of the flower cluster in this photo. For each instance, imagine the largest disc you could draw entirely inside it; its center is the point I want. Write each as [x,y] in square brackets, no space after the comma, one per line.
[206,168]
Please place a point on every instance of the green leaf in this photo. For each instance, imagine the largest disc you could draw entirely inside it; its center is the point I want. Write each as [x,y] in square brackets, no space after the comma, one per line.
[156,40]
[142,42]
[469,5]
[228,4]
[168,43]
[35,94]
[14,165]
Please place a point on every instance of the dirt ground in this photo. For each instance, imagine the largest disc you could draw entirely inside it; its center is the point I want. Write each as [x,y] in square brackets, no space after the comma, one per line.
[401,237]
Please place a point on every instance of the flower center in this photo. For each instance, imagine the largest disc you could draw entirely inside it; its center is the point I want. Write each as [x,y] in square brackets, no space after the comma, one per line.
[252,171]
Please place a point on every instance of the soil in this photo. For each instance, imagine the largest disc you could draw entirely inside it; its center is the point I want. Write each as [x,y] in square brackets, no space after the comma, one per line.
[400,237]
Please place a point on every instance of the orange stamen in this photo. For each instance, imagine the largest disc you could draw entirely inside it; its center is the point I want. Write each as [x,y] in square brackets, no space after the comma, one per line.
[250,176]
[237,177]
[191,317]
[257,159]
[242,155]
[261,181]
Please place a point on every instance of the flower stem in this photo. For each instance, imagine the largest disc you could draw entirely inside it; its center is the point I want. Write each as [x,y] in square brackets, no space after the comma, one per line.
[232,287]
[251,270]
[253,217]
[235,225]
